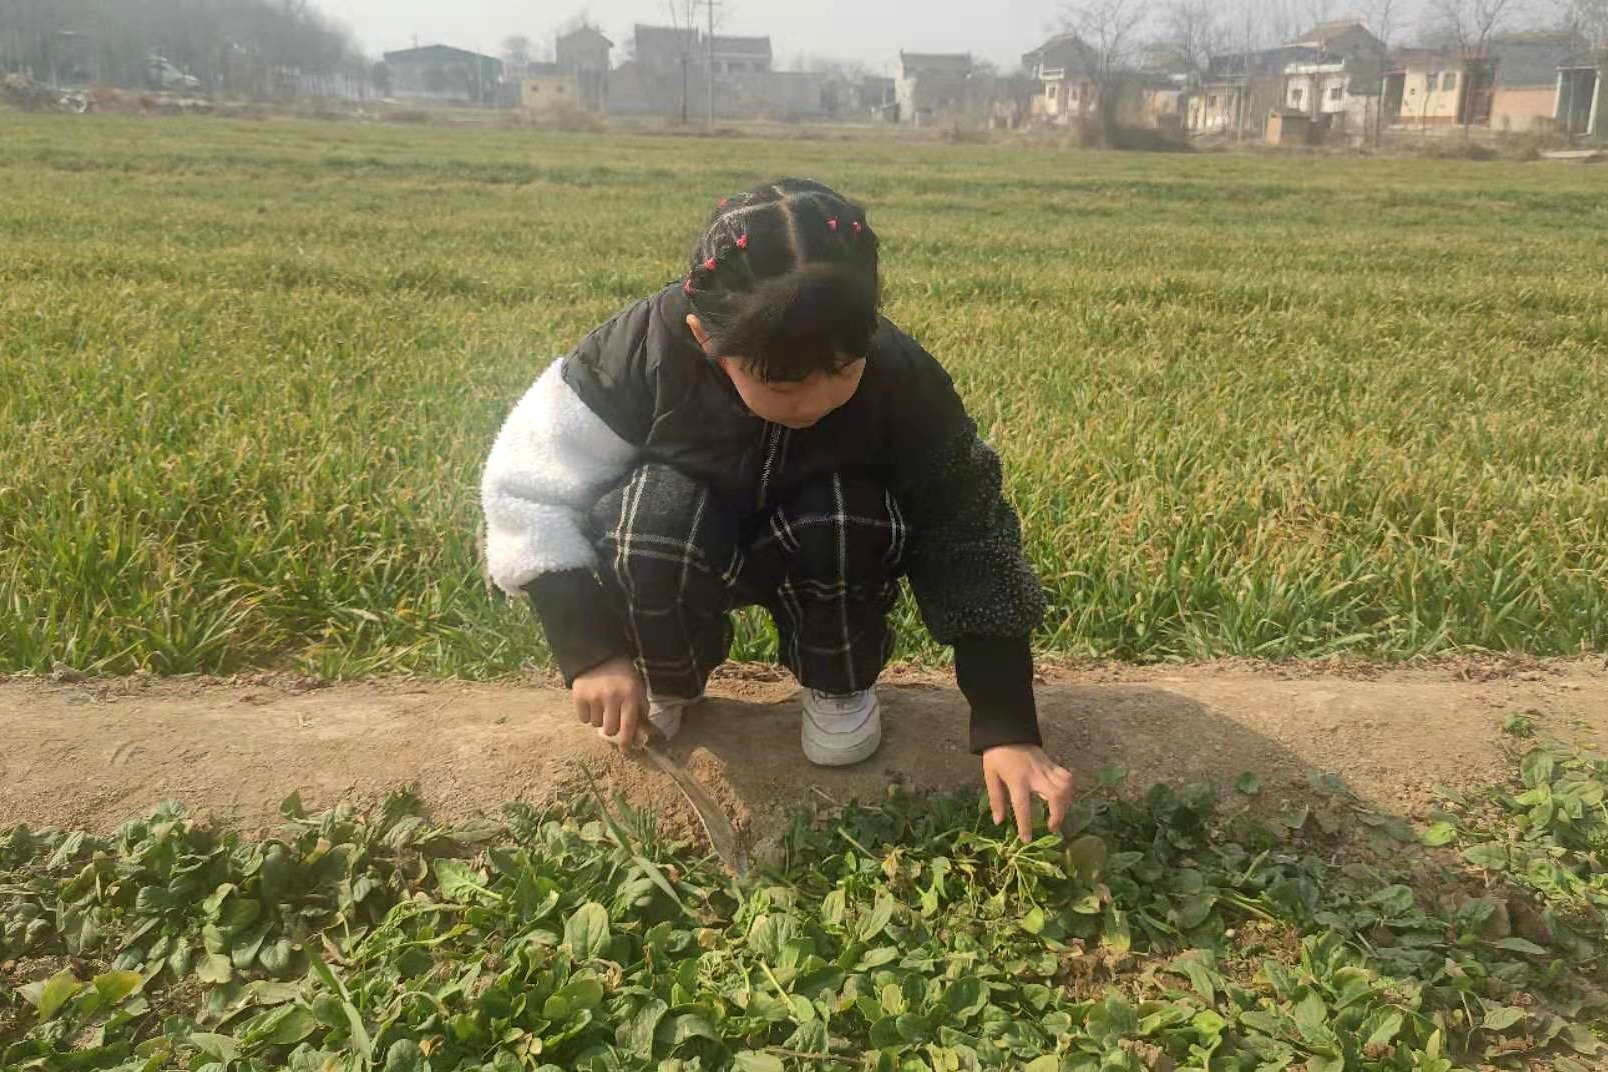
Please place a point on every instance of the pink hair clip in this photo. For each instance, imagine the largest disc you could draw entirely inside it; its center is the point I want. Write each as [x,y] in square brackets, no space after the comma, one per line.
[858,227]
[832,223]
[686,288]
[742,241]
[709,265]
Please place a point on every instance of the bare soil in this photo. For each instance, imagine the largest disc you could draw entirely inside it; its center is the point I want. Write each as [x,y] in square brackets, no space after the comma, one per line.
[93,754]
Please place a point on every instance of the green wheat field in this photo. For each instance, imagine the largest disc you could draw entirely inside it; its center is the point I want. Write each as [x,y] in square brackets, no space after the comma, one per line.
[1249,406]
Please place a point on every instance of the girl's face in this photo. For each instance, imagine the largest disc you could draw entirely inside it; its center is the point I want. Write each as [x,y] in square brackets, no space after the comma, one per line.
[794,405]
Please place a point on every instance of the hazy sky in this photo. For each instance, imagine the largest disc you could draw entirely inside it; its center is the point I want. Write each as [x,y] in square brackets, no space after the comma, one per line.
[872,31]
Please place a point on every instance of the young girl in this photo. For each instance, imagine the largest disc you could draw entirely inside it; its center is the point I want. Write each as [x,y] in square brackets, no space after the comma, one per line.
[757,434]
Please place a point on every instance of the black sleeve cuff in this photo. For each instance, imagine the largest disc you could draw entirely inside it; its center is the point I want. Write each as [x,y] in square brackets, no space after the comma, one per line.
[996,676]
[582,632]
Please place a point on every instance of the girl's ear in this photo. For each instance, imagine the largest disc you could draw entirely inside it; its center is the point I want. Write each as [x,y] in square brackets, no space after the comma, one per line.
[696,327]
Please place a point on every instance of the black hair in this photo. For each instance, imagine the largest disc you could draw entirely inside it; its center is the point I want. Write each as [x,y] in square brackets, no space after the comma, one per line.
[785,277]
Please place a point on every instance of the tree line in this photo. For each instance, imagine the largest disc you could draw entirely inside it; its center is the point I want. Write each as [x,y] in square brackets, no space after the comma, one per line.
[250,48]
[1184,34]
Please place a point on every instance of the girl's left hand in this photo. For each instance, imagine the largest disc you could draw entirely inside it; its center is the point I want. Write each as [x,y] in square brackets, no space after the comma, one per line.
[1014,774]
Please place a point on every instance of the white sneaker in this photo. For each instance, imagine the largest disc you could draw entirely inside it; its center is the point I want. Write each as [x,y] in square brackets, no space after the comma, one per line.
[840,730]
[664,719]
[665,715]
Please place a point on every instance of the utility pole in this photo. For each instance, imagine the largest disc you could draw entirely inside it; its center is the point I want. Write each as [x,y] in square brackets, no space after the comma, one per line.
[709,59]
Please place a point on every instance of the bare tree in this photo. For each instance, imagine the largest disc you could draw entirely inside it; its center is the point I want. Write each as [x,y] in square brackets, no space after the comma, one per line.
[1284,19]
[1111,31]
[1468,26]
[516,54]
[1192,32]
[1381,18]
[580,20]
[1315,12]
[715,12]
[1248,25]
[1587,24]
[1247,32]
[235,47]
[684,19]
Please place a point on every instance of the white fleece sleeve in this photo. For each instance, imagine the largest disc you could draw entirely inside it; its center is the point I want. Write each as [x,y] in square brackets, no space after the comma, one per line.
[552,460]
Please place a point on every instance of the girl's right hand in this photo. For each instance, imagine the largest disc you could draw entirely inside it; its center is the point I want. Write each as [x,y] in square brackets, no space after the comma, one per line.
[611,697]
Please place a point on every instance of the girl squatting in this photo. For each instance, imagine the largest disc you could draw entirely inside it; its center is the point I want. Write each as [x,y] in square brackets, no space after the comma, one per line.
[757,433]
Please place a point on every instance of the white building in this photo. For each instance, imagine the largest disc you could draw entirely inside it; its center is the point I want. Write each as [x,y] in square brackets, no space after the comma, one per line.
[931,85]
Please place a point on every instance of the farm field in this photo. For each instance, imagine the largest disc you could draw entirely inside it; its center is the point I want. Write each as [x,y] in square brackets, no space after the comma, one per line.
[1250,407]
[1277,407]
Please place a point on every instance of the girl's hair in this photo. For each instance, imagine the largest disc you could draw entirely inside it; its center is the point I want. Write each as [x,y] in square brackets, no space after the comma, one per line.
[785,277]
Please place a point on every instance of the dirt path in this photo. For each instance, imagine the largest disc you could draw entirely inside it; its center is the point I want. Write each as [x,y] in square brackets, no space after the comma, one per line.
[91,755]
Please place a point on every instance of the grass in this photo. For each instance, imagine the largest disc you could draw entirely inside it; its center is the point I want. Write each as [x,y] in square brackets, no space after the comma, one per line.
[1171,932]
[1277,407]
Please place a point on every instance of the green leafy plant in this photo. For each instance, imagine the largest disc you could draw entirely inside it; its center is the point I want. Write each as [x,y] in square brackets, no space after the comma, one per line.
[1163,932]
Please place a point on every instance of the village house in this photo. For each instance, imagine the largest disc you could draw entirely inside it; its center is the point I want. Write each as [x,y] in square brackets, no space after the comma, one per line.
[739,55]
[671,69]
[1344,39]
[866,97]
[1523,82]
[1240,88]
[1161,103]
[1336,95]
[1423,87]
[1067,80]
[747,85]
[661,77]
[931,85]
[444,74]
[787,95]
[665,49]
[1330,74]
[584,55]
[545,90]
[1525,96]
[1316,88]
[1067,71]
[1340,90]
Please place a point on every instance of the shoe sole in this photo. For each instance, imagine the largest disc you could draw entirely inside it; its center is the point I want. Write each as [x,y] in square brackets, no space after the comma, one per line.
[823,755]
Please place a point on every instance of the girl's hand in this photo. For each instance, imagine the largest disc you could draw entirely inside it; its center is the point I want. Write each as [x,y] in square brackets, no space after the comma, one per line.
[611,697]
[1014,773]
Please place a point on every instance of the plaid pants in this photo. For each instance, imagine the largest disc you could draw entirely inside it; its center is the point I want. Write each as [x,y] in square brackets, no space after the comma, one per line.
[676,559]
